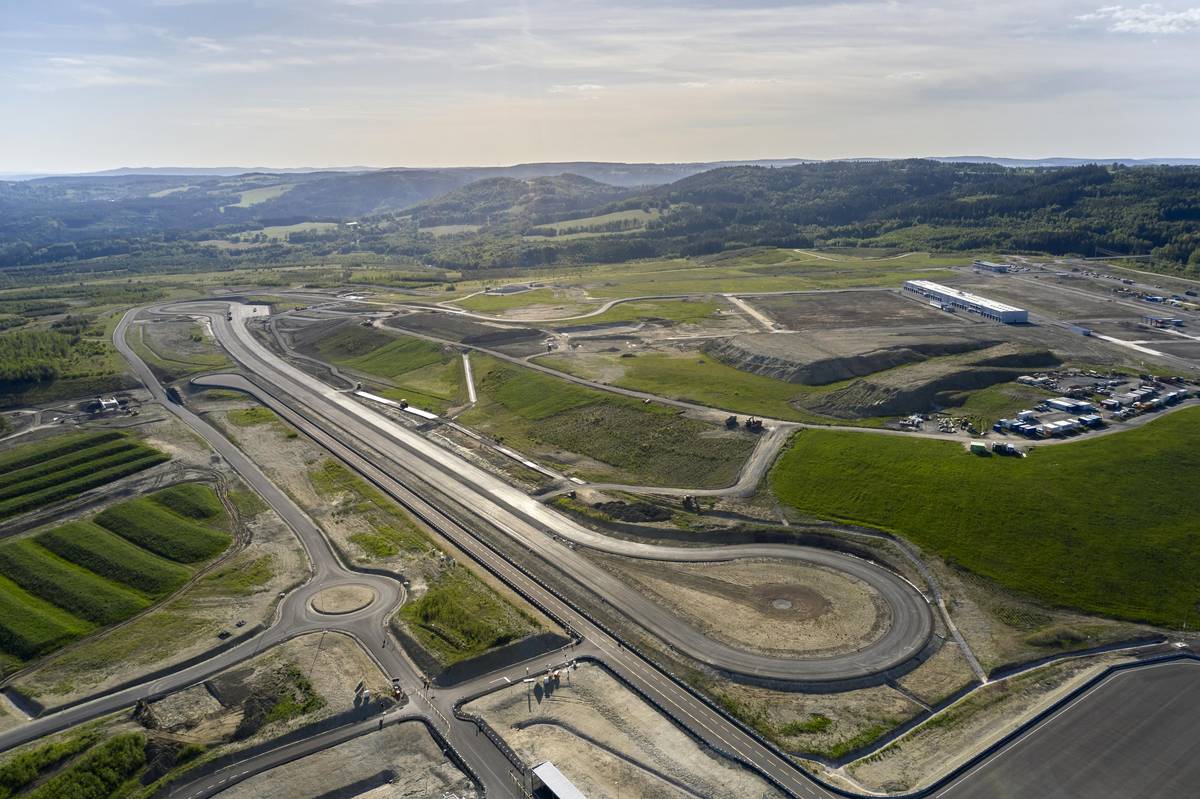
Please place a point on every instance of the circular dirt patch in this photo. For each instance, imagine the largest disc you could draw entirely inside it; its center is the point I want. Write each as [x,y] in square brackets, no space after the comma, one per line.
[343,599]
[783,600]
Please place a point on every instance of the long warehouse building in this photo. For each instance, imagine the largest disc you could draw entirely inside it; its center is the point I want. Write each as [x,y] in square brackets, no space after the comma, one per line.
[998,311]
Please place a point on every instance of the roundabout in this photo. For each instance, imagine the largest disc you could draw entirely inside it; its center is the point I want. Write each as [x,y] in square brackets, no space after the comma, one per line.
[340,600]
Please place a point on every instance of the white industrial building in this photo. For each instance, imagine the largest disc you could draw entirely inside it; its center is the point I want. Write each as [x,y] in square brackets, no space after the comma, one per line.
[973,303]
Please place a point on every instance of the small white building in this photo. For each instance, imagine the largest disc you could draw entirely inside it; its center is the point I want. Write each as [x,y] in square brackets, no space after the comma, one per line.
[549,782]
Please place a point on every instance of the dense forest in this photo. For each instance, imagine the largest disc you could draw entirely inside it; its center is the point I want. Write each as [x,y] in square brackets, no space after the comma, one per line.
[70,227]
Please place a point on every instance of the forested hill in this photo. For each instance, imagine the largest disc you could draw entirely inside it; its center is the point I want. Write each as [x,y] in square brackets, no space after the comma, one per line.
[458,219]
[512,201]
[941,206]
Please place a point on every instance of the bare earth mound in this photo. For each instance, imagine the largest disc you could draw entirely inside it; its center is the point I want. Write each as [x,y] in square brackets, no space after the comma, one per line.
[916,388]
[817,359]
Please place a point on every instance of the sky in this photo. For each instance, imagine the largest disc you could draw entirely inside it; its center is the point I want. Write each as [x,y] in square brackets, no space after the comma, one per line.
[88,84]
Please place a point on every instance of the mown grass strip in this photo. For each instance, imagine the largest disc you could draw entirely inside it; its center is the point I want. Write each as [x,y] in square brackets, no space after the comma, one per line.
[37,452]
[192,500]
[70,587]
[88,466]
[35,470]
[153,527]
[30,626]
[20,504]
[91,547]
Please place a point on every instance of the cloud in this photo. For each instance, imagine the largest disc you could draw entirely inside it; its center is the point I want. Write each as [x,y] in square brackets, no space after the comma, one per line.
[1149,18]
[576,88]
[93,72]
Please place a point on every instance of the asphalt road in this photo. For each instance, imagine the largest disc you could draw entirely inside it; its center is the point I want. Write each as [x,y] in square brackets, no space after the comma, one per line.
[1136,735]
[294,616]
[540,529]
[1108,726]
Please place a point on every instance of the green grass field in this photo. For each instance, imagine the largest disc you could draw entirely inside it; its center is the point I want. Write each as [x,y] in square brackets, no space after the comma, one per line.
[678,311]
[260,195]
[64,582]
[425,374]
[499,303]
[626,440]
[1106,525]
[42,473]
[459,617]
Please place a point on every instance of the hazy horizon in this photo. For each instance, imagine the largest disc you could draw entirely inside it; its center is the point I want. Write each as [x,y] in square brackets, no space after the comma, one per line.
[293,83]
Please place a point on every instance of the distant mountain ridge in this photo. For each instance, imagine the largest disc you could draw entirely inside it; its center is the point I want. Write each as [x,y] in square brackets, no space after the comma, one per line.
[616,173]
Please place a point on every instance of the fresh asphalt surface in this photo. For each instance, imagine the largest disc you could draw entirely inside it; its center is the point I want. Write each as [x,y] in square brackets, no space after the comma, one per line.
[1136,735]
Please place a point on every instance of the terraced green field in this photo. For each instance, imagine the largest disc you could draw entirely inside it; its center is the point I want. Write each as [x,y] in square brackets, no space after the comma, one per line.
[151,526]
[1106,525]
[62,583]
[45,472]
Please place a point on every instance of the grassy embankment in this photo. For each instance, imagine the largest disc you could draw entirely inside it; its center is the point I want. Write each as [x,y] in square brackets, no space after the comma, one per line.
[39,474]
[1000,401]
[1106,525]
[622,439]
[64,582]
[173,350]
[408,368]
[459,616]
[700,378]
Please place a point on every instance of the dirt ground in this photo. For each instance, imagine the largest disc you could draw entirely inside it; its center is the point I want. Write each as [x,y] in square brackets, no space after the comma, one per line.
[399,762]
[852,309]
[1043,295]
[941,744]
[607,741]
[768,606]
[209,713]
[940,676]
[856,718]
[1003,628]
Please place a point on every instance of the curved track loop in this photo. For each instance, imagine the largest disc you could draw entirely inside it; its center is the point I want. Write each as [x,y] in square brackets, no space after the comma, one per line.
[543,530]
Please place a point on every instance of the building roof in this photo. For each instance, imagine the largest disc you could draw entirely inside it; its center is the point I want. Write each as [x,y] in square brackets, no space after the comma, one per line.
[553,779]
[982,302]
